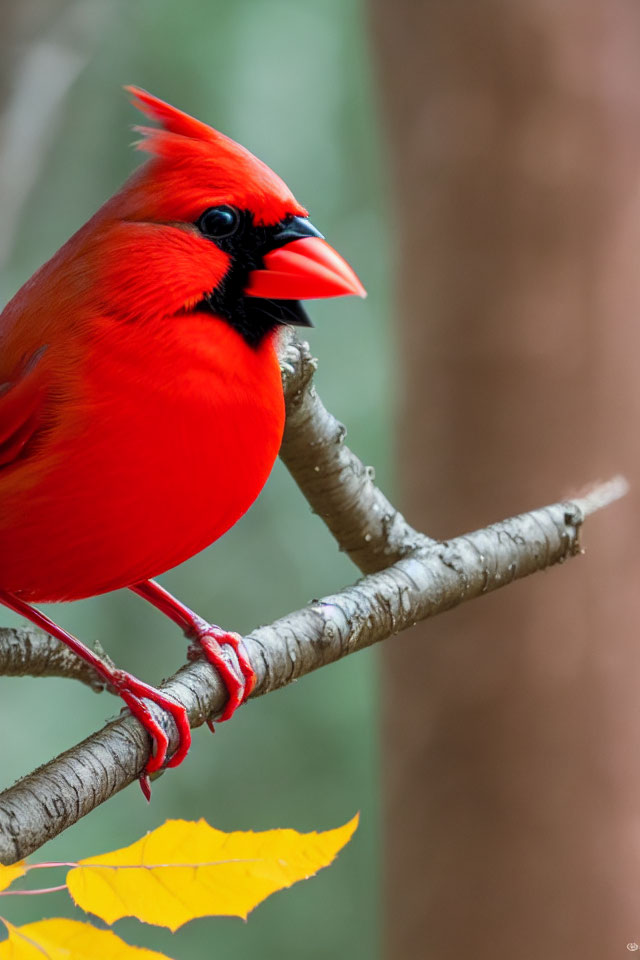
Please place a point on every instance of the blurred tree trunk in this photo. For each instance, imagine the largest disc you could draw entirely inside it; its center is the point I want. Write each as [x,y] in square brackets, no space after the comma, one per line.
[512,729]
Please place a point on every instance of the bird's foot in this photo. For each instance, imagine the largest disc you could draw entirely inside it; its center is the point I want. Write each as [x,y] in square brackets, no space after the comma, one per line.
[134,692]
[210,641]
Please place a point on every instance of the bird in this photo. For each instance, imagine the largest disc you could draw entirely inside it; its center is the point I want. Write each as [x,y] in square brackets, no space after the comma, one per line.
[141,401]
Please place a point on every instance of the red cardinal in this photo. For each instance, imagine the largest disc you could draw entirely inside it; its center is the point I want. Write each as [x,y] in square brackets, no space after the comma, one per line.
[141,405]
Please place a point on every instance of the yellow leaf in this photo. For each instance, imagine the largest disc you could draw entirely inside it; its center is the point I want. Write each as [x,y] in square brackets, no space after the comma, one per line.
[9,874]
[184,870]
[68,940]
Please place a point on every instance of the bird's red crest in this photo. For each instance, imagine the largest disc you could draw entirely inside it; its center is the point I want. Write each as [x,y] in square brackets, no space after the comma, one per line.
[209,159]
[174,125]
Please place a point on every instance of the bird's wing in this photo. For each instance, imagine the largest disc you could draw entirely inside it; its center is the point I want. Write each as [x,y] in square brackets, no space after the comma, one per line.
[21,408]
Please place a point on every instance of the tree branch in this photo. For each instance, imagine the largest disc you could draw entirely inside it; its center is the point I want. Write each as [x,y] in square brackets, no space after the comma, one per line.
[338,486]
[424,579]
[28,652]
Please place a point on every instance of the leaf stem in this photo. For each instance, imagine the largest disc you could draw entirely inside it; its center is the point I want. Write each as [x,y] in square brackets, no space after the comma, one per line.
[31,893]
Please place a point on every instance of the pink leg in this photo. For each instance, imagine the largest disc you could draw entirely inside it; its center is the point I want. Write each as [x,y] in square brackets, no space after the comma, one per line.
[132,691]
[210,638]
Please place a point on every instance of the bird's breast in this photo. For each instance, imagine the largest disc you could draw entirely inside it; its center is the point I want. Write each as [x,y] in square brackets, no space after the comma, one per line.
[166,442]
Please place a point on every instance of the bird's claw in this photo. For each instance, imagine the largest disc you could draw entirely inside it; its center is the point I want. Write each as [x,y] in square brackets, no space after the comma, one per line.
[211,640]
[134,692]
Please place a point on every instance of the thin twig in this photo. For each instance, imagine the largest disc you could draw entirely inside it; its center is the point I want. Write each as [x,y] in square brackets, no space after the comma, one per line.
[601,495]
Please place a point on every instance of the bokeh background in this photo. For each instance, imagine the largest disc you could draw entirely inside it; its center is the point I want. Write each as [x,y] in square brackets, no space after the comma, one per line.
[478,163]
[292,82]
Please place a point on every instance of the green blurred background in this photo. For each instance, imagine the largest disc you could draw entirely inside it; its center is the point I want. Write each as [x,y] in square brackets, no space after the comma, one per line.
[292,82]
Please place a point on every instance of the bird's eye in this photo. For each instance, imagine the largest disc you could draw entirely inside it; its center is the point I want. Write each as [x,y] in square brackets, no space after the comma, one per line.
[219,222]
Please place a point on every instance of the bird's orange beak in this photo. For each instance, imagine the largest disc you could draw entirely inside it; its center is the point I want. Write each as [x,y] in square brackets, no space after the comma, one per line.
[302,269]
